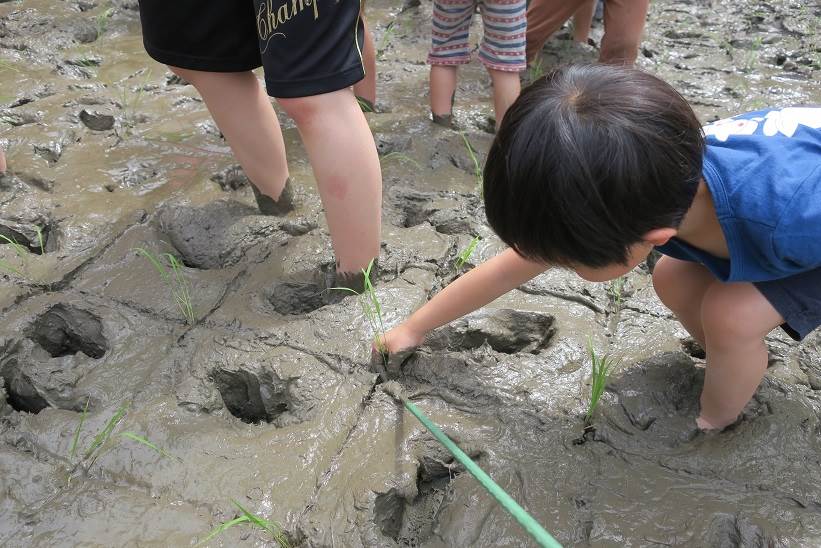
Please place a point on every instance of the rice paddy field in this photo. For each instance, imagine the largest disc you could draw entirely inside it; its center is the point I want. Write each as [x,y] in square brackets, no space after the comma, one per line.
[171,373]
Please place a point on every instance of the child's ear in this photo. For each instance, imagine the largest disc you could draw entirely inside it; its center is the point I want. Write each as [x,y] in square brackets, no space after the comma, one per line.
[659,236]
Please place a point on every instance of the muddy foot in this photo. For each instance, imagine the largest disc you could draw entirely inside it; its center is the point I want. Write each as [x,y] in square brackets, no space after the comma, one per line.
[445,120]
[279,207]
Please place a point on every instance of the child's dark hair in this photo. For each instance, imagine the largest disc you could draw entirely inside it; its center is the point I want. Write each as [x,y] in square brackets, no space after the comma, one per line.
[588,160]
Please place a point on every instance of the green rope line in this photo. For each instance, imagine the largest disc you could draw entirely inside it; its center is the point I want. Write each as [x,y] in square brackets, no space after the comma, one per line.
[536,531]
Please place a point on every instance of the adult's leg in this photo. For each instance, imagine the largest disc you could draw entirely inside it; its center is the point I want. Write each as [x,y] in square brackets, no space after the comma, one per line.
[623,25]
[681,286]
[583,20]
[244,114]
[544,17]
[366,88]
[343,156]
[736,318]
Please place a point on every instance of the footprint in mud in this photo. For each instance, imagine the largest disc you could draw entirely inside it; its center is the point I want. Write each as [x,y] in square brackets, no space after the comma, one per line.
[447,212]
[507,331]
[253,398]
[64,330]
[219,234]
[736,531]
[410,519]
[658,398]
[317,289]
[33,379]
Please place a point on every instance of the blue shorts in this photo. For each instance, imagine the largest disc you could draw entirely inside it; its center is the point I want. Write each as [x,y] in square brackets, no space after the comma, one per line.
[798,299]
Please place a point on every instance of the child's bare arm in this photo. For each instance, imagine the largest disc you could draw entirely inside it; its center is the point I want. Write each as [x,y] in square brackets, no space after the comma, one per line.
[475,289]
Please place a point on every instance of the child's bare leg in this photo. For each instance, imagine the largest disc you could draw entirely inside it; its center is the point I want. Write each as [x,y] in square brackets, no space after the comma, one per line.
[343,156]
[681,286]
[582,20]
[736,318]
[244,114]
[506,88]
[366,88]
[2,161]
[442,88]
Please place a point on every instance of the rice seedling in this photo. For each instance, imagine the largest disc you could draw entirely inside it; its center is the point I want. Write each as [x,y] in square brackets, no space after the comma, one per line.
[403,158]
[602,366]
[274,529]
[616,289]
[477,166]
[73,450]
[92,453]
[385,41]
[102,18]
[40,240]
[372,309]
[174,278]
[18,248]
[130,102]
[466,253]
[364,105]
[140,439]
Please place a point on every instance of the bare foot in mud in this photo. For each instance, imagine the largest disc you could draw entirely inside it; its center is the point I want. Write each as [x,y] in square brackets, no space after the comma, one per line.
[279,207]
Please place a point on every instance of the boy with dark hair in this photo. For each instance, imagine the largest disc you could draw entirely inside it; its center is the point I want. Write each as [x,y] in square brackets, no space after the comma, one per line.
[594,166]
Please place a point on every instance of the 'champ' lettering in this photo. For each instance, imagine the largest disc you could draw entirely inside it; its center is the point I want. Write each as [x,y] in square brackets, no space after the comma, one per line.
[271,18]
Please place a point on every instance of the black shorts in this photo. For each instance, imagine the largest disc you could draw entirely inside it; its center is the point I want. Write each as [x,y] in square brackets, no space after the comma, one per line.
[798,299]
[307,47]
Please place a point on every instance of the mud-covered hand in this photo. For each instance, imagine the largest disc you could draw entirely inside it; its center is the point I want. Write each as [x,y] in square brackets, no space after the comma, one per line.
[401,337]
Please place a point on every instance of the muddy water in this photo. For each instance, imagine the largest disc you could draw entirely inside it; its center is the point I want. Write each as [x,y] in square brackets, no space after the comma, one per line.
[268,398]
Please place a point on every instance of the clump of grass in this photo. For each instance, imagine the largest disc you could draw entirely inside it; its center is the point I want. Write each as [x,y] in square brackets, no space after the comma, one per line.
[385,41]
[602,366]
[477,166]
[92,453]
[466,253]
[273,528]
[174,278]
[372,309]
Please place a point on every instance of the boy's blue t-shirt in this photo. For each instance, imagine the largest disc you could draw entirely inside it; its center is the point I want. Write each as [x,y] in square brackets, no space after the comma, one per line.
[763,170]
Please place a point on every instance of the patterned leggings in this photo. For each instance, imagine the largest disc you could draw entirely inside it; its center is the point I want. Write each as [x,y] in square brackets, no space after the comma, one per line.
[503,43]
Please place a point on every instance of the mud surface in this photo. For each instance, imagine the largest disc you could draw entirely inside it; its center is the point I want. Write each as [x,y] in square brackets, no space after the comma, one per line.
[268,398]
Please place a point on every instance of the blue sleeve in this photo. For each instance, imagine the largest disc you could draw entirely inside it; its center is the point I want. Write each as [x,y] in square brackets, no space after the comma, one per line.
[797,238]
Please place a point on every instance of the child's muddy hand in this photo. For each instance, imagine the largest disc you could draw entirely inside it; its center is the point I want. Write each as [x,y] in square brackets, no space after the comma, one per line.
[400,338]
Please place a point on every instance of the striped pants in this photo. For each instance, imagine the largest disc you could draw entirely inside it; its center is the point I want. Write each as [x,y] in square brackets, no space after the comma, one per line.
[504,40]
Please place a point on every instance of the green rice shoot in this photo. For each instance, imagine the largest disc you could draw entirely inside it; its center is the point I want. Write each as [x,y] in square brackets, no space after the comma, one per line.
[372,309]
[385,41]
[73,450]
[7,267]
[247,517]
[40,240]
[103,435]
[466,253]
[139,439]
[602,366]
[616,290]
[477,166]
[19,248]
[364,105]
[102,20]
[175,279]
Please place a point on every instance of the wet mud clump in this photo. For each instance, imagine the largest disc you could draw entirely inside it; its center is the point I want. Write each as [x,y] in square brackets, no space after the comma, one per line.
[266,395]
